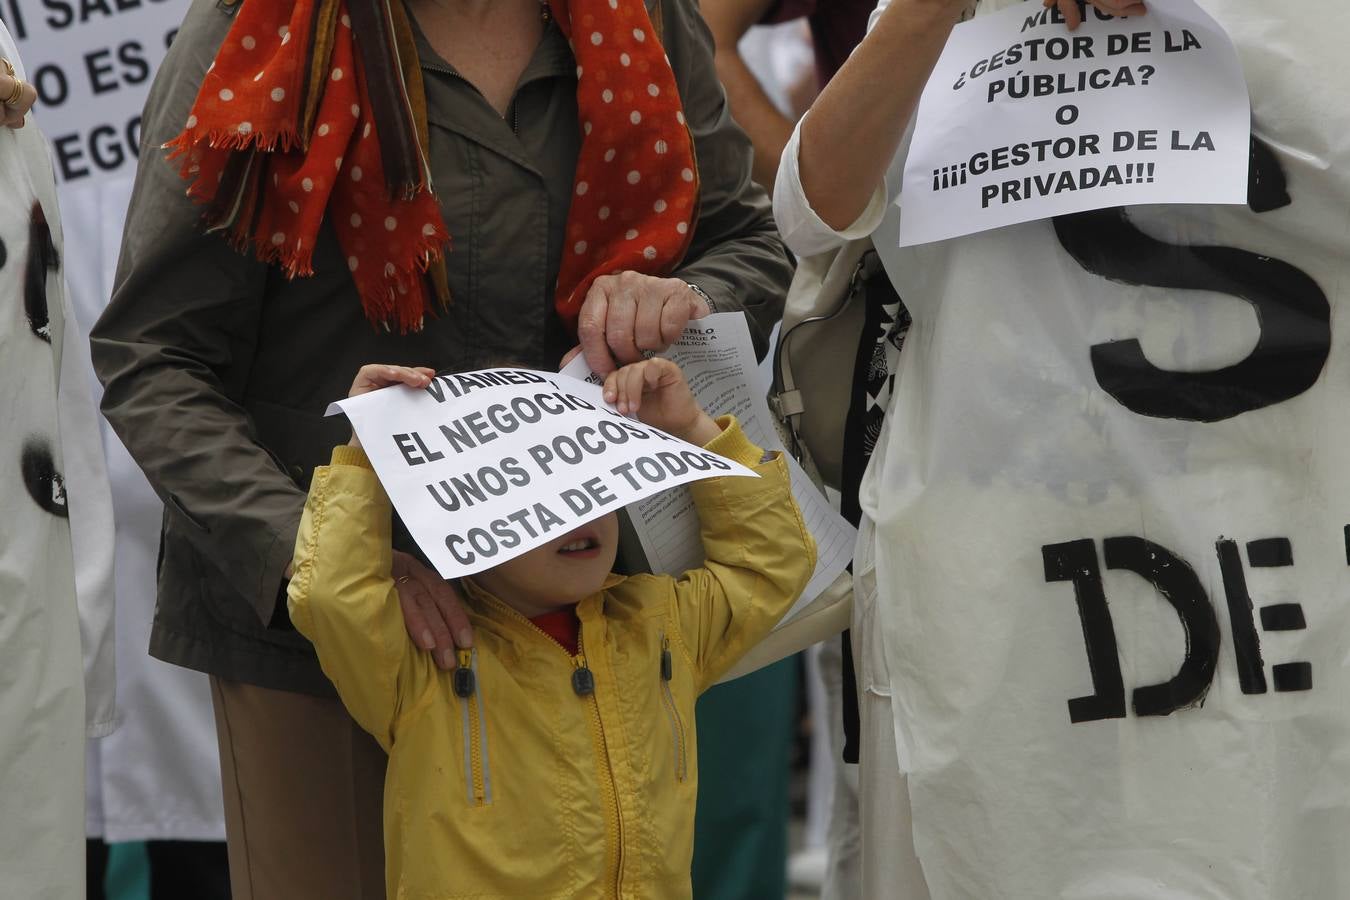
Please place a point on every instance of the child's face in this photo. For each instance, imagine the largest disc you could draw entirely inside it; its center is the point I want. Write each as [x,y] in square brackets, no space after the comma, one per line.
[558,574]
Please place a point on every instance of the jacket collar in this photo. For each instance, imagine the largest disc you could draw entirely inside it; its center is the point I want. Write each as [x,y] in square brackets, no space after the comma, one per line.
[459,108]
[496,610]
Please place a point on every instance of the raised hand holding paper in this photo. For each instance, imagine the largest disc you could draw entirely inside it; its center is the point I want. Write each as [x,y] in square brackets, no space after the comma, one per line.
[718,359]
[483,466]
[1024,120]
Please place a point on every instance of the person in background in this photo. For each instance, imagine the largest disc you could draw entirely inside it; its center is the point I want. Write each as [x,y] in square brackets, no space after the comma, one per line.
[153,798]
[836,28]
[56,532]
[470,176]
[870,839]
[745,787]
[961,796]
[152,787]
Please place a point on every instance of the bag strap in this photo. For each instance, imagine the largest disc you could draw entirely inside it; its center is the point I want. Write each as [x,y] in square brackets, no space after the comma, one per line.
[828,298]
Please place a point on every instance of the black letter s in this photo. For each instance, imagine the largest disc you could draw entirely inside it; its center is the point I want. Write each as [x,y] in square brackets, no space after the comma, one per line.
[1291,309]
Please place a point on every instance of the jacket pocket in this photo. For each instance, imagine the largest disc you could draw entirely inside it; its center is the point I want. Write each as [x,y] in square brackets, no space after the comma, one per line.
[678,736]
[477,766]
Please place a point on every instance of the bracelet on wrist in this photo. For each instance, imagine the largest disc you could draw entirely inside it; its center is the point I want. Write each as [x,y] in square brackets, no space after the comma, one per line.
[712,307]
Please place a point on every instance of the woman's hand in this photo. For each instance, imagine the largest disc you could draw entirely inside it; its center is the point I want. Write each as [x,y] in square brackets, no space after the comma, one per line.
[25,95]
[628,313]
[373,377]
[432,610]
[655,391]
[1074,18]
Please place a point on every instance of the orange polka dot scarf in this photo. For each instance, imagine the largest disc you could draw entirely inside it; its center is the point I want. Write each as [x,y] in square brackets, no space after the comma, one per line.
[635,200]
[294,122]
[298,120]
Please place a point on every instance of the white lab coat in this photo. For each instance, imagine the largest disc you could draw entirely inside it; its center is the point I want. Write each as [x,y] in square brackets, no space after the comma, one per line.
[1012,490]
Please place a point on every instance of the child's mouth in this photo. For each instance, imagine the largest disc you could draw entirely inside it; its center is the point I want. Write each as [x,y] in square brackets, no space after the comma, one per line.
[581,548]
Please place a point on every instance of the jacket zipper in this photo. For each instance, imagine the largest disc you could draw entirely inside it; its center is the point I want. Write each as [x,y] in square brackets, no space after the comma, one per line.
[672,711]
[515,114]
[607,786]
[479,782]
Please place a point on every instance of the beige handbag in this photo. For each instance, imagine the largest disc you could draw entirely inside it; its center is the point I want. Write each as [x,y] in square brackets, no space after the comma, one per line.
[813,361]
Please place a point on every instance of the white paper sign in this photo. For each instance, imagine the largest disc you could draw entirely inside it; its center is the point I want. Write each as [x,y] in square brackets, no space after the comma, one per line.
[718,361]
[1023,120]
[91,62]
[483,466]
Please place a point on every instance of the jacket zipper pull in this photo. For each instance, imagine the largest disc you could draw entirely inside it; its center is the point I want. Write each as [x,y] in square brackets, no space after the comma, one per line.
[465,682]
[667,668]
[583,682]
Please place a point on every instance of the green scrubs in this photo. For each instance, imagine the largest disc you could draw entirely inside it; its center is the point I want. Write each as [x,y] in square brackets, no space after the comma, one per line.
[746,730]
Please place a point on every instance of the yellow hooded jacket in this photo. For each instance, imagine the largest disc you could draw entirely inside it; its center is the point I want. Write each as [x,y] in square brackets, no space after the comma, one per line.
[526,787]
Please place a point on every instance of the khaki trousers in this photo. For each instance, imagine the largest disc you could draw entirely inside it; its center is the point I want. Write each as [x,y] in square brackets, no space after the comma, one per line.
[304,794]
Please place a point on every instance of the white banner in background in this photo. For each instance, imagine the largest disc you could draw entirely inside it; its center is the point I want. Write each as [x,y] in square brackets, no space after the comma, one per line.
[91,62]
[1024,120]
[483,466]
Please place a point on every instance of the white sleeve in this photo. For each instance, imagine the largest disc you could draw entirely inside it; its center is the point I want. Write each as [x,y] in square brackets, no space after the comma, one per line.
[803,231]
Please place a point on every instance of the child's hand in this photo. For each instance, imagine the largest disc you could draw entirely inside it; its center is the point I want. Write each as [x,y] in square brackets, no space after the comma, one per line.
[372,378]
[655,391]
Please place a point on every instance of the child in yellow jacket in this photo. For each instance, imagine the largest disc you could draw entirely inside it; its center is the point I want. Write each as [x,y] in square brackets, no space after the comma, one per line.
[558,760]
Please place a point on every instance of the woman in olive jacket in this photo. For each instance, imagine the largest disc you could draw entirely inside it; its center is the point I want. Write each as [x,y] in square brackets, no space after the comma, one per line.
[218,362]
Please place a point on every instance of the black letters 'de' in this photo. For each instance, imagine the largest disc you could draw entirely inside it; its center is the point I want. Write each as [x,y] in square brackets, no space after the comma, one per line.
[1177,583]
[1292,311]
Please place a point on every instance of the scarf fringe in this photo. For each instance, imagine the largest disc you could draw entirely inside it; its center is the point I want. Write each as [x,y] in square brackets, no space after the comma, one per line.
[294,263]
[386,297]
[300,263]
[234,141]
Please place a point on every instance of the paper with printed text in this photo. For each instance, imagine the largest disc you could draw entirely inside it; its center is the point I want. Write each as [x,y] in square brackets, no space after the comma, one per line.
[1024,120]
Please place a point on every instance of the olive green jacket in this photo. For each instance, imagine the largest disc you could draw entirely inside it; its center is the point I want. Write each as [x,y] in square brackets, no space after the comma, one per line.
[217,369]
